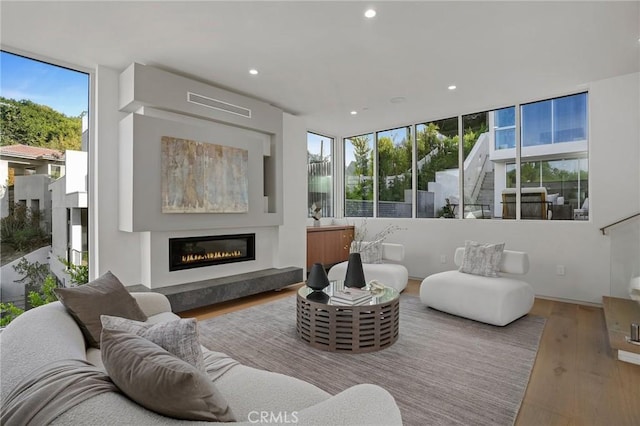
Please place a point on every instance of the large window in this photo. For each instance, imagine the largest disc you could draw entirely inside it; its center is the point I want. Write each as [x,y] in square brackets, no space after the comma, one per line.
[320,173]
[394,172]
[553,154]
[358,176]
[555,120]
[478,169]
[505,128]
[43,176]
[554,179]
[437,164]
[553,189]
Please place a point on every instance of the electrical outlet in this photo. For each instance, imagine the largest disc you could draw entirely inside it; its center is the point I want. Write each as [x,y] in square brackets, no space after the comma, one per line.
[443,258]
[560,270]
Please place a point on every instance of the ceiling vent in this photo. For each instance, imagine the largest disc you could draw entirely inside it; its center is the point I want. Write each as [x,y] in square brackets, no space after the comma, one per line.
[194,98]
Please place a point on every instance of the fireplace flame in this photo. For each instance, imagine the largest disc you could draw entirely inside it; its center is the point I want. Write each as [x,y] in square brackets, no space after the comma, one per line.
[190,258]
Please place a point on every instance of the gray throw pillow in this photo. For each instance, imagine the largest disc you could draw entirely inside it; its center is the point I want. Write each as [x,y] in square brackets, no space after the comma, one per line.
[159,381]
[482,259]
[104,296]
[179,337]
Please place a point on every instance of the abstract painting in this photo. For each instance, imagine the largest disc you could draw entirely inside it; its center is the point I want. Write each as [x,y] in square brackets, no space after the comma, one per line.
[199,177]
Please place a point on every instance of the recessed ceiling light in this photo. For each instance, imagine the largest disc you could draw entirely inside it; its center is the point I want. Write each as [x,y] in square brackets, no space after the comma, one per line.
[354,112]
[452,87]
[253,71]
[398,100]
[370,13]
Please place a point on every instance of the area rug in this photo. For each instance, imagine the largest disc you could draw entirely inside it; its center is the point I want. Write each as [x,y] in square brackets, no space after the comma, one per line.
[443,370]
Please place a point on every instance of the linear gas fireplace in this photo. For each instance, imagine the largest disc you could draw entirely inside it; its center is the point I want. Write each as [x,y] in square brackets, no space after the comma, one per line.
[196,252]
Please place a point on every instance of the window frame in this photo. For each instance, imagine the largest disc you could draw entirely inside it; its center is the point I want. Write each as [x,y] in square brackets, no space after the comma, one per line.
[517,155]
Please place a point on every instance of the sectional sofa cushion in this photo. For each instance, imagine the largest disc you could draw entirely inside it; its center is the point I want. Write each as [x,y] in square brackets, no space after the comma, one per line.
[105,295]
[159,381]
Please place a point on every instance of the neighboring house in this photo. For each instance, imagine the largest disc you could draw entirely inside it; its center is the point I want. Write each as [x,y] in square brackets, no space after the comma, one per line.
[26,172]
[66,217]
[69,215]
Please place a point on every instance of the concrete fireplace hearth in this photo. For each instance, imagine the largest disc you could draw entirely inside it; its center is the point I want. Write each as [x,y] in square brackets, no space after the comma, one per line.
[184,297]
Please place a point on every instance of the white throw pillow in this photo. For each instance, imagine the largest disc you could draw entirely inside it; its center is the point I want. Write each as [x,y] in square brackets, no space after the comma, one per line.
[482,259]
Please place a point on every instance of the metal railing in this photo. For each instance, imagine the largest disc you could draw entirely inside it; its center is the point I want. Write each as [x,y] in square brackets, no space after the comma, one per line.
[604,228]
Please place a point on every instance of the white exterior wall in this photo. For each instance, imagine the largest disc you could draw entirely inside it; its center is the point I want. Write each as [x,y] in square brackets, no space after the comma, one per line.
[4,180]
[10,291]
[68,192]
[35,189]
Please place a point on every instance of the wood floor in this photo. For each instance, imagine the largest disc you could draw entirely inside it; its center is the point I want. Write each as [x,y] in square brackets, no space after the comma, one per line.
[575,379]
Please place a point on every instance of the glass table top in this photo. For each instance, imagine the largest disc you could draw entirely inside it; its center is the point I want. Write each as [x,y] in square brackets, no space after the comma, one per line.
[384,295]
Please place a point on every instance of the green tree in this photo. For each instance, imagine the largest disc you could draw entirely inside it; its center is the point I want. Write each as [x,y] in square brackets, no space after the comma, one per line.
[33,274]
[28,123]
[45,294]
[9,312]
[363,190]
[394,167]
[79,274]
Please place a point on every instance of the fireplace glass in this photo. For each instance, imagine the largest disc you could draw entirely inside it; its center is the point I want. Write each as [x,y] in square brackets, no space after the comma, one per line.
[196,252]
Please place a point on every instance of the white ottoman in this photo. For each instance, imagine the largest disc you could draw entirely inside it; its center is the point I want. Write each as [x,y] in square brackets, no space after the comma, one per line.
[390,274]
[496,301]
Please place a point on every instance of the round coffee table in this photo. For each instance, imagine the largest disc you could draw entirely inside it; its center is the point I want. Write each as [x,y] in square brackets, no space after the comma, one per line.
[355,329]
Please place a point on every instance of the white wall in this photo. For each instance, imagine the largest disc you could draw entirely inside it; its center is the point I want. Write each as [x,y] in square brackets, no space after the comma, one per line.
[140,173]
[142,257]
[579,246]
[292,236]
[110,249]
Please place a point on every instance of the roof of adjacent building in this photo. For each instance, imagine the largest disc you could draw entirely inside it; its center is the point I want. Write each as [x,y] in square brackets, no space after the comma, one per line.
[31,152]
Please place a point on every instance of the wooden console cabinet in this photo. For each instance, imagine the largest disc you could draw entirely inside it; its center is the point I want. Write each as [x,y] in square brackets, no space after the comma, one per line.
[328,244]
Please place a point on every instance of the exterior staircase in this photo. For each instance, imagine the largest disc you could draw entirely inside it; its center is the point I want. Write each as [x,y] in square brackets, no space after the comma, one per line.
[485,195]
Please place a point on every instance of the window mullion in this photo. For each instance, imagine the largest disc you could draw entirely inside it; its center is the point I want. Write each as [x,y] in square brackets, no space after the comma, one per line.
[414,171]
[460,167]
[375,175]
[518,135]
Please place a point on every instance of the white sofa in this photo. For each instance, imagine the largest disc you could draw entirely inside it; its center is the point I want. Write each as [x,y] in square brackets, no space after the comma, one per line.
[48,333]
[388,272]
[496,301]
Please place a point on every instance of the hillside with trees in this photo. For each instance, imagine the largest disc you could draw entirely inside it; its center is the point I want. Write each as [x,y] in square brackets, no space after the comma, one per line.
[28,123]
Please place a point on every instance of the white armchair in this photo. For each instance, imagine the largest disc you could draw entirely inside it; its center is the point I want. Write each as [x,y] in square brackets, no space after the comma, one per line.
[496,301]
[390,272]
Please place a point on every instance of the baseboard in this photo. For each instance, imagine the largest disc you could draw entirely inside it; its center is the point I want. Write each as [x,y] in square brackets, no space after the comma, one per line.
[629,357]
[575,302]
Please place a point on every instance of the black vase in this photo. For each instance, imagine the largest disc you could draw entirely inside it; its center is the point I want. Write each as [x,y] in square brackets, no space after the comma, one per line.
[317,279]
[355,273]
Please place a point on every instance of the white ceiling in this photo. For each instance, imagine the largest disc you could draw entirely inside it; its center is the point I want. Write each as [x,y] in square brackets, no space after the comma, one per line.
[321,60]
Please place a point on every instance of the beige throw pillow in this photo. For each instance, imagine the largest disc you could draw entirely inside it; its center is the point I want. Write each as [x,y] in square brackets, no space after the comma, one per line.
[105,295]
[159,381]
[179,337]
[482,259]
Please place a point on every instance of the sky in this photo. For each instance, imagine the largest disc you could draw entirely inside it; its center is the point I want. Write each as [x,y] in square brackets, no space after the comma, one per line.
[62,89]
